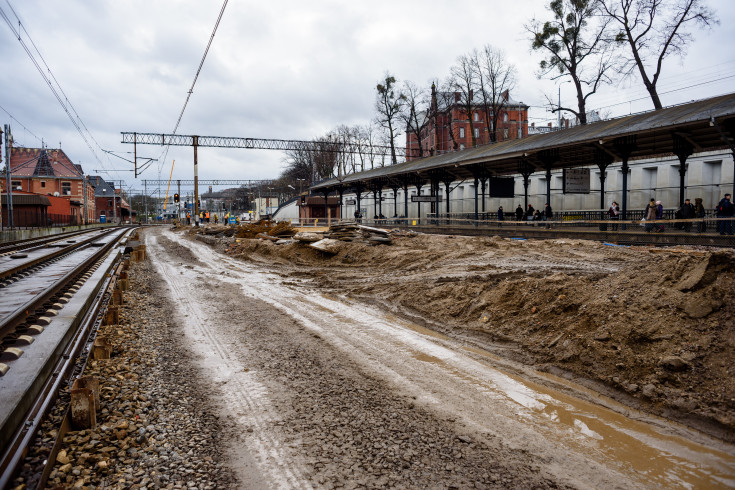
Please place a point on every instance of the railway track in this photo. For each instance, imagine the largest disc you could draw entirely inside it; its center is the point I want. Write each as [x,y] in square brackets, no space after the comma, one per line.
[10,247]
[51,301]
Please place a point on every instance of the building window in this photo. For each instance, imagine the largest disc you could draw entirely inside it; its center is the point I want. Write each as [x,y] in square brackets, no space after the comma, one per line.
[66,188]
[109,203]
[477,133]
[16,185]
[461,132]
[505,134]
[477,116]
[461,147]
[505,117]
[43,183]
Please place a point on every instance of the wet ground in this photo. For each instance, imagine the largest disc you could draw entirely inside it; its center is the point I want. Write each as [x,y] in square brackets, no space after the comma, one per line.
[331,391]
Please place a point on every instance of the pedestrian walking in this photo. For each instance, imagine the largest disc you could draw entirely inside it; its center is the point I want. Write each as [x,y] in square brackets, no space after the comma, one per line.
[501,215]
[519,213]
[725,209]
[548,214]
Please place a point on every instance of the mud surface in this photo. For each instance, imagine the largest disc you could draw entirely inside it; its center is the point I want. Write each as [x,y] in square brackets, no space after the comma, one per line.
[397,366]
[650,327]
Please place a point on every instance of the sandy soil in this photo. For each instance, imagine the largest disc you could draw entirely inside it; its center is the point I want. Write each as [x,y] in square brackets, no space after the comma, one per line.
[395,366]
[649,327]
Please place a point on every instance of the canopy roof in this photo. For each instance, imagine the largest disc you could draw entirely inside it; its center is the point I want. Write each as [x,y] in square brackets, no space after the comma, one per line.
[693,127]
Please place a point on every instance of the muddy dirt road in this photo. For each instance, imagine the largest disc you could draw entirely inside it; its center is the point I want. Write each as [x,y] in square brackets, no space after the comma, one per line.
[328,391]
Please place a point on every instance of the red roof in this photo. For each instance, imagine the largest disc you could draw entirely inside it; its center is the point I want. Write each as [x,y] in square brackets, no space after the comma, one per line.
[24,162]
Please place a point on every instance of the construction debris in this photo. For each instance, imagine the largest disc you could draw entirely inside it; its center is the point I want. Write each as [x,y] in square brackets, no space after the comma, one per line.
[308,236]
[354,232]
[326,245]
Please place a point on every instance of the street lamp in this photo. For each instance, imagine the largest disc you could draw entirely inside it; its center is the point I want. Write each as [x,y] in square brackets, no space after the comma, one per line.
[558,106]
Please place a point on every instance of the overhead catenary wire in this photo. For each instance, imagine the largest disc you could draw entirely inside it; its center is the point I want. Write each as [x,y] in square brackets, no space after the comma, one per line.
[66,107]
[21,124]
[193,83]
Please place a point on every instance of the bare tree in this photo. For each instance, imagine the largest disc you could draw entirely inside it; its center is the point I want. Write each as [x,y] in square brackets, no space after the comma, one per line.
[415,119]
[445,102]
[653,30]
[574,42]
[462,80]
[389,105]
[495,75]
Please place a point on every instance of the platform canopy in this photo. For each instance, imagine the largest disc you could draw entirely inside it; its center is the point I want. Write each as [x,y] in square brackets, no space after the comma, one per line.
[693,127]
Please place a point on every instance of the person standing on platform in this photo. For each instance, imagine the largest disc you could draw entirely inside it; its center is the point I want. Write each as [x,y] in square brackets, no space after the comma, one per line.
[613,213]
[725,209]
[501,215]
[699,212]
[687,212]
[519,213]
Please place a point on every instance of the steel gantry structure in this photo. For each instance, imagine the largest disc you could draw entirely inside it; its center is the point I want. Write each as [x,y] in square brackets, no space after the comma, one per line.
[196,141]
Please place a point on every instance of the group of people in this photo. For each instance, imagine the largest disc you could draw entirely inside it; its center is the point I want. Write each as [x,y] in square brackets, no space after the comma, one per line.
[204,217]
[529,214]
[655,212]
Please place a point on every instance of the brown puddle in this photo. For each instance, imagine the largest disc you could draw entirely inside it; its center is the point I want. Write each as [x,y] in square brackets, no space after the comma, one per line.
[634,447]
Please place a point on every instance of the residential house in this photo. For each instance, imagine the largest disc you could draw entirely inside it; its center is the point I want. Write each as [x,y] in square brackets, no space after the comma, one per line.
[50,172]
[109,202]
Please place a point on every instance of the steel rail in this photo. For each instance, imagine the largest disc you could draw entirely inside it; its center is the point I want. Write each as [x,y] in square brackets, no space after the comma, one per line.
[83,328]
[52,255]
[10,322]
[16,245]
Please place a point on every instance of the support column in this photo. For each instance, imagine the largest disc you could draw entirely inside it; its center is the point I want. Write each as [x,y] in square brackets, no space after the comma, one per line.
[525,169]
[476,214]
[341,192]
[549,158]
[418,204]
[405,199]
[395,200]
[483,184]
[625,146]
[327,216]
[196,182]
[602,160]
[682,149]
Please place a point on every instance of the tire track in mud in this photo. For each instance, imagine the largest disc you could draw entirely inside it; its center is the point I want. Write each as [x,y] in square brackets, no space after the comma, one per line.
[242,387]
[583,430]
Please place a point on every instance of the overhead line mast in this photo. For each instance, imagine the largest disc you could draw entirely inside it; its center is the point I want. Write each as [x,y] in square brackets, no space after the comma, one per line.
[237,142]
[161,139]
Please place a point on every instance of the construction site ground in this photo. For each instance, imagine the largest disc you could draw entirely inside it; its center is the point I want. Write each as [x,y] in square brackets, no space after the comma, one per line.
[642,332]
[649,326]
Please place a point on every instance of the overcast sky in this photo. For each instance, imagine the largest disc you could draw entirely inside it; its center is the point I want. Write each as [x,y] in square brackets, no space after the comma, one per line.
[282,69]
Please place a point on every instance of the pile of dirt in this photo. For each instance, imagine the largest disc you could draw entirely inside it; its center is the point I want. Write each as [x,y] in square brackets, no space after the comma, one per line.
[651,327]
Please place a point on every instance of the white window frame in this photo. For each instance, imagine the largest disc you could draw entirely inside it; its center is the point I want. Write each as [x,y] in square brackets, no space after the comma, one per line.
[461,132]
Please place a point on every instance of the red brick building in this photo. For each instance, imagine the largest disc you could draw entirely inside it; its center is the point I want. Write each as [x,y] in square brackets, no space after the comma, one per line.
[115,209]
[50,172]
[447,124]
